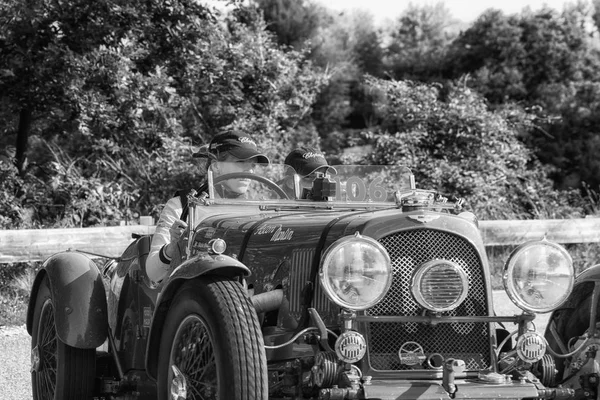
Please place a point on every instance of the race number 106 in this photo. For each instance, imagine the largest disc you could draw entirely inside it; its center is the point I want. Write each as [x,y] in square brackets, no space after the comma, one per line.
[356,189]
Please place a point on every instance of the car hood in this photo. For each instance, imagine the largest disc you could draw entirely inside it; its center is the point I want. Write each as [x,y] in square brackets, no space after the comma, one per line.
[267,238]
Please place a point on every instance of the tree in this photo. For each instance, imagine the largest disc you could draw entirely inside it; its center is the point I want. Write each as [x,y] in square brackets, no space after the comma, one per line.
[292,21]
[48,49]
[349,46]
[455,144]
[419,39]
[546,61]
[117,108]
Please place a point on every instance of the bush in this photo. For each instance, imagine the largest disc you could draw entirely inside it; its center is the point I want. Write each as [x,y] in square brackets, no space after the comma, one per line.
[11,190]
[457,146]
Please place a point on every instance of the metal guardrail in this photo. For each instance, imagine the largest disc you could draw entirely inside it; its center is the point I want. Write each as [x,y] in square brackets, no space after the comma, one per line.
[38,244]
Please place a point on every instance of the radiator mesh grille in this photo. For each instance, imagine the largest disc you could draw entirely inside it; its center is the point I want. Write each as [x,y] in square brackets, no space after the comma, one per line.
[466,341]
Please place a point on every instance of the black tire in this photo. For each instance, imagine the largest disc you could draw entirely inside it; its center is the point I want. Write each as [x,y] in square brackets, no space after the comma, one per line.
[58,371]
[212,336]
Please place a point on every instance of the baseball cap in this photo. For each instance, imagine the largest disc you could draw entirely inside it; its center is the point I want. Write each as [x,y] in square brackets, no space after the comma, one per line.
[239,145]
[306,160]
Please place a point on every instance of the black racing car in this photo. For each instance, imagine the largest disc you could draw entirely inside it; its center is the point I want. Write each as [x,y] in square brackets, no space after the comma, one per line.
[363,288]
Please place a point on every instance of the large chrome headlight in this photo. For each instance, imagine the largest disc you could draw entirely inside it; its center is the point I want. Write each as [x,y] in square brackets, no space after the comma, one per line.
[539,276]
[356,272]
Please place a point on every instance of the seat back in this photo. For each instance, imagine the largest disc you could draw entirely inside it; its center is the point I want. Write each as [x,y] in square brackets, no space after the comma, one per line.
[143,249]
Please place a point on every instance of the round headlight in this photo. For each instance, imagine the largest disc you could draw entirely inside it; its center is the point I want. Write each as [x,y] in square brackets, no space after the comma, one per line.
[539,276]
[217,246]
[440,285]
[356,272]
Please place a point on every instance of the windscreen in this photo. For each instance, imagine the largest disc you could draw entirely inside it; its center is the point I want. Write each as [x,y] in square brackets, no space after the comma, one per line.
[234,182]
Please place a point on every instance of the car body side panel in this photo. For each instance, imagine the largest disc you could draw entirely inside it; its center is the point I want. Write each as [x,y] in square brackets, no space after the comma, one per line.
[274,239]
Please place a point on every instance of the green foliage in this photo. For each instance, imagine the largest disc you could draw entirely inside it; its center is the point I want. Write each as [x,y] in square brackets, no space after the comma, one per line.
[349,46]
[455,144]
[292,21]
[111,98]
[18,277]
[11,186]
[419,40]
[243,81]
[16,281]
[548,61]
[108,101]
[571,142]
[505,54]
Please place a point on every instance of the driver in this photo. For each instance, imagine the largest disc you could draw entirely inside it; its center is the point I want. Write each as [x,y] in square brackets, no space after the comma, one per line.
[227,153]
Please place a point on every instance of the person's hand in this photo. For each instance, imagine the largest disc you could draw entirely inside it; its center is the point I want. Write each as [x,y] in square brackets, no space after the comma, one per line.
[177,230]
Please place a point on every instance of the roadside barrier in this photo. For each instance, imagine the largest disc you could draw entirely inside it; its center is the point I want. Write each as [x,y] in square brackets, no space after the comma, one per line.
[38,244]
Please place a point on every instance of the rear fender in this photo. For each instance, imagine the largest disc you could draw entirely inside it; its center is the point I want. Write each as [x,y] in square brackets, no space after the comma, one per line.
[193,268]
[79,299]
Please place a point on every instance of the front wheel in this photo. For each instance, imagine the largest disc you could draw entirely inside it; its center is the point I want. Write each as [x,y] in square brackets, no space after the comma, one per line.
[211,345]
[58,371]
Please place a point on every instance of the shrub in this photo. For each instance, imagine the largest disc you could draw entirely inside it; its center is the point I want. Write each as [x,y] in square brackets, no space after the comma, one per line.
[456,145]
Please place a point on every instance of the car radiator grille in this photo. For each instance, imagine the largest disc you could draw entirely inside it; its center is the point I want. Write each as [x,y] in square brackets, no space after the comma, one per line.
[300,274]
[467,341]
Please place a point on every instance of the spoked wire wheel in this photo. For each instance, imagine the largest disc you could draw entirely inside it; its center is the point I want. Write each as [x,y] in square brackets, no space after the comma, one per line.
[43,356]
[58,371]
[193,357]
[211,346]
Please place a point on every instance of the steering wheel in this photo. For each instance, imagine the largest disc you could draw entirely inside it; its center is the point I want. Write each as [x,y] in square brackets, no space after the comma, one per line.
[247,175]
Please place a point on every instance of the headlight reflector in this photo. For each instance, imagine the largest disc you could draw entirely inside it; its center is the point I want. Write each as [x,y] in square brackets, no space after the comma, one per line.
[356,272]
[440,285]
[539,276]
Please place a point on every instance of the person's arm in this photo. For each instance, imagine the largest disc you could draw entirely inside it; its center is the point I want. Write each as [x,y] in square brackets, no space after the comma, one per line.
[162,249]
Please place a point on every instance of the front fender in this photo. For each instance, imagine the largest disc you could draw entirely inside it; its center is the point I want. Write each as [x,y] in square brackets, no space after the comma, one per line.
[79,299]
[582,288]
[573,317]
[195,267]
[590,274]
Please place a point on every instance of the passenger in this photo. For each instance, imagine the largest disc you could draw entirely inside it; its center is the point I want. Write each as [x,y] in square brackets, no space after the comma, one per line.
[306,162]
[227,153]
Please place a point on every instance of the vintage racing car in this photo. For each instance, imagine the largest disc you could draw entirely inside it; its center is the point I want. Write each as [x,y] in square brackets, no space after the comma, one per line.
[359,287]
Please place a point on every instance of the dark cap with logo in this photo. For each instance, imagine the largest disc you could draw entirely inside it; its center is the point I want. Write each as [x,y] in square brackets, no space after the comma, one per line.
[238,145]
[306,160]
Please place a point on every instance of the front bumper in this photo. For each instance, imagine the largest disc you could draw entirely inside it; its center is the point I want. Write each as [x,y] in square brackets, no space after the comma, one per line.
[465,389]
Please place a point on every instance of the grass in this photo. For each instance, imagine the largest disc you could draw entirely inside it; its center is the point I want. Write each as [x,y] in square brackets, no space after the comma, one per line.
[13,309]
[14,294]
